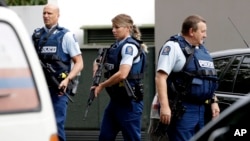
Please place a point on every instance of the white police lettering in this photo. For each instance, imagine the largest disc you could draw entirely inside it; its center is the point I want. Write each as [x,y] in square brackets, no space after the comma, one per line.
[49,49]
[206,64]
[240,132]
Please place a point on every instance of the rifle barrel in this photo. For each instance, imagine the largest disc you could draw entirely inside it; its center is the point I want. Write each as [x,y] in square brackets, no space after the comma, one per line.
[90,100]
[97,78]
[86,112]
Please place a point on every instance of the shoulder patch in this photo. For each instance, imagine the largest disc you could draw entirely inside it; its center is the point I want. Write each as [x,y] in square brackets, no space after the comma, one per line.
[166,50]
[129,50]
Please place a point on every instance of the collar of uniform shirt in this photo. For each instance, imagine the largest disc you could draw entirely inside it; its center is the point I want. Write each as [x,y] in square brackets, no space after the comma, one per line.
[48,29]
[121,41]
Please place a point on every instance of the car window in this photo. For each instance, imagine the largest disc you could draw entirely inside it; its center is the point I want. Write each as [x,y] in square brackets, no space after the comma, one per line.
[221,64]
[17,88]
[243,78]
[226,73]
[234,74]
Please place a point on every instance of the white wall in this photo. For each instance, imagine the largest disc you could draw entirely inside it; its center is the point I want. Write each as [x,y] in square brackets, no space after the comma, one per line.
[77,13]
[30,15]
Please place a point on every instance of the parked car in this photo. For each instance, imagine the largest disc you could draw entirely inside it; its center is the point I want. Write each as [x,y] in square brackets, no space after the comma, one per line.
[232,124]
[233,67]
[26,112]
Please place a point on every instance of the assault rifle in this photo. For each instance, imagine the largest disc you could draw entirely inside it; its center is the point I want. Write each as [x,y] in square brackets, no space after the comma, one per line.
[177,110]
[49,70]
[97,78]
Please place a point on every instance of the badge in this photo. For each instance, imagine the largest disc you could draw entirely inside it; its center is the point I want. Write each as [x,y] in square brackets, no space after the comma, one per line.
[129,50]
[166,50]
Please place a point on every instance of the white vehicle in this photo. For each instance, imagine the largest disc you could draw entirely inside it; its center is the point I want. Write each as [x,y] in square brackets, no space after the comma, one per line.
[26,112]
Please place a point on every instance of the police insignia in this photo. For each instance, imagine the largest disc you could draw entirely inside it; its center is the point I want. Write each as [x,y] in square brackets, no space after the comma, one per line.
[166,50]
[129,50]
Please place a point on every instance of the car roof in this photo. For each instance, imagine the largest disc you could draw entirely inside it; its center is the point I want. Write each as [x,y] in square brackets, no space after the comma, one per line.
[229,52]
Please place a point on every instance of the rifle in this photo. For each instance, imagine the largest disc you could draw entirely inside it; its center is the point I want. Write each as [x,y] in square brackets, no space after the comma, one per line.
[54,80]
[97,78]
[177,110]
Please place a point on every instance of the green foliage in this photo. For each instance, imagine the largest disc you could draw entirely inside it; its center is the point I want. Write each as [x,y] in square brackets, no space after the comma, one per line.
[25,2]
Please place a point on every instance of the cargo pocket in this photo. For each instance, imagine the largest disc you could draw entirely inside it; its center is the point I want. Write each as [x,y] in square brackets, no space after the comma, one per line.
[197,87]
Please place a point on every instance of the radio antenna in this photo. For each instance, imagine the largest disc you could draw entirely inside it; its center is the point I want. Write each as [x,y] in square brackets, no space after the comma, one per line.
[238,32]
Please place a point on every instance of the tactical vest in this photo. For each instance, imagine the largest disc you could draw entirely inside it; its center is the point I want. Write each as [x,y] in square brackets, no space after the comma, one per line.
[51,52]
[113,63]
[198,80]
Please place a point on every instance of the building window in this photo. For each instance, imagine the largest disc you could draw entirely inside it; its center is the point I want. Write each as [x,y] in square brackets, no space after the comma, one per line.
[103,35]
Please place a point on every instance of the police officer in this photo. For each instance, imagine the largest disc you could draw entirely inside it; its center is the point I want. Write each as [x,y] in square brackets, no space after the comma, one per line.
[185,62]
[57,47]
[127,58]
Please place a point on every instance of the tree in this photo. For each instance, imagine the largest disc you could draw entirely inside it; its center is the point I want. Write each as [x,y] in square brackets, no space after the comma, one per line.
[25,2]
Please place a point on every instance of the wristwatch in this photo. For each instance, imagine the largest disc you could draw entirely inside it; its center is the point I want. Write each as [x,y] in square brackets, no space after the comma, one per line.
[213,100]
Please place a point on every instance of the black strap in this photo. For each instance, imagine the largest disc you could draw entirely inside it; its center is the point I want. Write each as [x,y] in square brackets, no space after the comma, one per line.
[188,59]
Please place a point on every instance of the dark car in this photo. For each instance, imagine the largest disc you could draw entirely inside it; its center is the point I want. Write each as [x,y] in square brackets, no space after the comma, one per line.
[232,124]
[234,76]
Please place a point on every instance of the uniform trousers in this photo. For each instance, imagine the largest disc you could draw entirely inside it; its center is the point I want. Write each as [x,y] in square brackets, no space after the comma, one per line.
[60,104]
[124,116]
[192,121]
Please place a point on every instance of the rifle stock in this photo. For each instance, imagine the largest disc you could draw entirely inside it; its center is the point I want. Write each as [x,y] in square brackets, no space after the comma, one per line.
[97,78]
